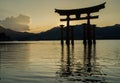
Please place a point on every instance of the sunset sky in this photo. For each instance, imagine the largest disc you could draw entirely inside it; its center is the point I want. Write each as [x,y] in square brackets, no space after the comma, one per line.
[39,15]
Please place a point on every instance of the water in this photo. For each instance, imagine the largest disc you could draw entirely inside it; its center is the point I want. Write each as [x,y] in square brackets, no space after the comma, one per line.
[49,62]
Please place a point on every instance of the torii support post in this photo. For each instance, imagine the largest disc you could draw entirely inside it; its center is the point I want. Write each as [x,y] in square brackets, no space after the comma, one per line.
[89,34]
[67,31]
[94,34]
[72,36]
[62,34]
[84,34]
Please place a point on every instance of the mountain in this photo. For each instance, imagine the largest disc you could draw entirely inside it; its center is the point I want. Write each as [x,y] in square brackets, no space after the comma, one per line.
[108,32]
[4,37]
[52,34]
[14,35]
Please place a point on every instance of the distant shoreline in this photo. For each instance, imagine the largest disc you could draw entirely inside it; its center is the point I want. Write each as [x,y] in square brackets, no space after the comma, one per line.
[53,40]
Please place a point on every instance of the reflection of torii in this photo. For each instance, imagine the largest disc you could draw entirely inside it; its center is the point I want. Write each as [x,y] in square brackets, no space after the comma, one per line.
[77,13]
[89,58]
[66,61]
[77,72]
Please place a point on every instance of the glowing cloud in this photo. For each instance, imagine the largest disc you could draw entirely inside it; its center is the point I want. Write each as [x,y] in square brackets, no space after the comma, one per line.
[19,23]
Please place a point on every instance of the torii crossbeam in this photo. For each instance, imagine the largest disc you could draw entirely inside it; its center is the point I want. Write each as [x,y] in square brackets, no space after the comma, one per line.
[78,13]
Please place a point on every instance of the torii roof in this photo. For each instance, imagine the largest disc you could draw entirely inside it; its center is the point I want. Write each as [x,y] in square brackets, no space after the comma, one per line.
[81,10]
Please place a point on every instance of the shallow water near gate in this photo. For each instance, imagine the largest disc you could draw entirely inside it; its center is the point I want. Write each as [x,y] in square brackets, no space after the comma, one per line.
[49,62]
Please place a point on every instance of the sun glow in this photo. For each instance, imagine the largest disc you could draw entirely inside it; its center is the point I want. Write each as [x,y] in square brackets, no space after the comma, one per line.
[38,29]
[42,16]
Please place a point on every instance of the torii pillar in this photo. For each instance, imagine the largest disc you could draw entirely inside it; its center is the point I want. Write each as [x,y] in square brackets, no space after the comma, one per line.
[62,34]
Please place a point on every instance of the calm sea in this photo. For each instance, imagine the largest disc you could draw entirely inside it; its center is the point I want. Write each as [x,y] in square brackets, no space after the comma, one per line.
[49,62]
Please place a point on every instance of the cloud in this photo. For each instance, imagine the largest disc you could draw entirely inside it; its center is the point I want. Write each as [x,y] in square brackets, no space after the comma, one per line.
[19,23]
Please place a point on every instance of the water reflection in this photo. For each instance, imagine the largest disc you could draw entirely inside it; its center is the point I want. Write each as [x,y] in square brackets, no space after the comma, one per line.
[13,58]
[88,72]
[14,53]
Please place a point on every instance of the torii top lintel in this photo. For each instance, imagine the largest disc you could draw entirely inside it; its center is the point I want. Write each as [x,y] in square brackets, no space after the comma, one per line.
[82,10]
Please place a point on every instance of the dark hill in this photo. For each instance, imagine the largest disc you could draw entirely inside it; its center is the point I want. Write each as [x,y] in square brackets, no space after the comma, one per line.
[14,35]
[108,32]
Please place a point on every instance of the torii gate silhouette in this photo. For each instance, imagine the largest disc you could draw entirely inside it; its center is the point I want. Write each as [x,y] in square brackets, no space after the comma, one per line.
[89,33]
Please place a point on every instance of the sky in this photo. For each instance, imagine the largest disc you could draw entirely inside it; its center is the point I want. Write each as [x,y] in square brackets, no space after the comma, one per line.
[39,15]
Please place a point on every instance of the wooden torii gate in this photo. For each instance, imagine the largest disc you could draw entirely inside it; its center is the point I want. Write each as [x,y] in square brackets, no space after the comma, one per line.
[87,28]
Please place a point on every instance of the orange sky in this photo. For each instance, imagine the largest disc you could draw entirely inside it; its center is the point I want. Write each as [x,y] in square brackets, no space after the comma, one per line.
[43,17]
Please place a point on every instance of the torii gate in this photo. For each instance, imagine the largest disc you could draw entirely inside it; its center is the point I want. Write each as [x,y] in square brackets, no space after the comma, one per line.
[87,27]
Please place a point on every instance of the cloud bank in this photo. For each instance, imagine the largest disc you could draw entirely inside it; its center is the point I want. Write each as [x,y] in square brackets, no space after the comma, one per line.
[19,23]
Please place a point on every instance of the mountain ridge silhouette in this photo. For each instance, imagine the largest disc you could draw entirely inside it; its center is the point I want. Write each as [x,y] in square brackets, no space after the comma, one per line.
[108,32]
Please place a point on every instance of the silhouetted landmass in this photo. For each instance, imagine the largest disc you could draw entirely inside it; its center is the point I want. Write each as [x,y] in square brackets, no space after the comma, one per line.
[4,37]
[108,32]
[52,34]
[14,35]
